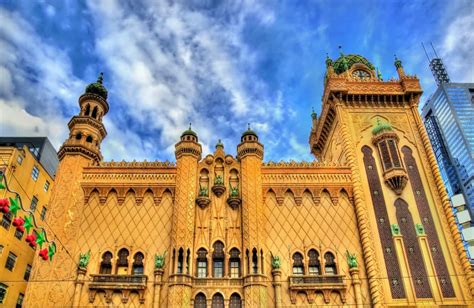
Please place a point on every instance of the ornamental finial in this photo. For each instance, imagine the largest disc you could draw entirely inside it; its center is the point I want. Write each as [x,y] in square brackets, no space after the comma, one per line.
[398,62]
[100,78]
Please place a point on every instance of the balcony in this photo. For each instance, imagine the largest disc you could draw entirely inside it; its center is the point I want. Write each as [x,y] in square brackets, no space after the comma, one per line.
[311,284]
[107,281]
[124,283]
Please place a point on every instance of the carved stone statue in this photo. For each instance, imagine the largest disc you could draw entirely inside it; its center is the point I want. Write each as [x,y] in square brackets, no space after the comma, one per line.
[160,261]
[84,259]
[203,191]
[351,260]
[276,263]
[218,180]
[234,191]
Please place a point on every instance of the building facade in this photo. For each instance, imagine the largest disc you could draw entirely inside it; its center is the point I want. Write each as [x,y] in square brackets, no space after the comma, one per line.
[23,162]
[368,224]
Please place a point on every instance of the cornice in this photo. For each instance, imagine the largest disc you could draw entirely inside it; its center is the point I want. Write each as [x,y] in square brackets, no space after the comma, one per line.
[88,121]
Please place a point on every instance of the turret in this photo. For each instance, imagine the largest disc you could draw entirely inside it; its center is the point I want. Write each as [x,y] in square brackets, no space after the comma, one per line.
[250,154]
[86,130]
[249,145]
[188,153]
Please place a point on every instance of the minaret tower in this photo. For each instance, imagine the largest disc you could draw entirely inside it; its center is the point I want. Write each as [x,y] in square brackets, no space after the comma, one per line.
[250,153]
[188,153]
[86,129]
[82,148]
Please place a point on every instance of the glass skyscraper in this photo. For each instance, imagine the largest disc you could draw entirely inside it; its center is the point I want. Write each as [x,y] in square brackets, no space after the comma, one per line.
[449,120]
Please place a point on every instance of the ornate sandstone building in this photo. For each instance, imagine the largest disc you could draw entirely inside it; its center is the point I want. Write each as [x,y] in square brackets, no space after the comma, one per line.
[367,224]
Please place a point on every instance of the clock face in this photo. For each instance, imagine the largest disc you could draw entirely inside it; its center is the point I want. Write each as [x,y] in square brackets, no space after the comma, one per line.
[360,74]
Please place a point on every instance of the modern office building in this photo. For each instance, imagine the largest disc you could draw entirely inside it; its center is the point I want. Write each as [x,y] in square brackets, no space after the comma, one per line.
[449,119]
[29,165]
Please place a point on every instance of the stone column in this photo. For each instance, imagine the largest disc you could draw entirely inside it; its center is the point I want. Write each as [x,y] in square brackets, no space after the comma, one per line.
[360,205]
[81,272]
[276,273]
[356,284]
[157,287]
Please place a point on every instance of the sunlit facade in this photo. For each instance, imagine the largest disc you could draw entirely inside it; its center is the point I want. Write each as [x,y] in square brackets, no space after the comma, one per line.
[366,224]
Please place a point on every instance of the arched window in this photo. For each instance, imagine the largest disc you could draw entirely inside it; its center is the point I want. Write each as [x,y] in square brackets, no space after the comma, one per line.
[78,136]
[314,266]
[218,260]
[298,267]
[200,301]
[122,262]
[201,263]
[106,263]
[247,255]
[330,265]
[262,260]
[180,261]
[217,301]
[137,268]
[234,263]
[94,112]
[235,301]
[254,261]
[89,139]
[88,109]
[188,257]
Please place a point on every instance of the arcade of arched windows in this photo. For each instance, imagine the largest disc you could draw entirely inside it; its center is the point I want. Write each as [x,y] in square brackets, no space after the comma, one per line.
[313,263]
[122,263]
[217,300]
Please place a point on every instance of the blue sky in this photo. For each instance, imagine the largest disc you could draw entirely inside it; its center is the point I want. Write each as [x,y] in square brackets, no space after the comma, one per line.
[217,64]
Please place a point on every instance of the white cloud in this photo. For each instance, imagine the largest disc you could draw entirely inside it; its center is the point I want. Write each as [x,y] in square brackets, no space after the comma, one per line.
[458,46]
[168,60]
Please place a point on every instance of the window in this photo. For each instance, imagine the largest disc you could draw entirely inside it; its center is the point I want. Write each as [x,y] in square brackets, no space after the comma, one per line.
[6,220]
[202,263]
[314,266]
[200,301]
[235,301]
[19,301]
[18,234]
[217,301]
[34,203]
[46,186]
[3,292]
[43,212]
[330,265]
[27,272]
[1,249]
[218,260]
[254,261]
[19,159]
[137,268]
[234,263]
[180,261]
[122,258]
[10,264]
[298,268]
[35,173]
[106,263]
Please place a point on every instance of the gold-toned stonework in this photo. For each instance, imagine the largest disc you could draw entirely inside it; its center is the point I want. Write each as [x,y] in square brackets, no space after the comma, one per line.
[234,231]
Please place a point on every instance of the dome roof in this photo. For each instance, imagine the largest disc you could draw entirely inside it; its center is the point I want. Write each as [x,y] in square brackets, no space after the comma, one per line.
[249,132]
[345,62]
[189,131]
[97,87]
